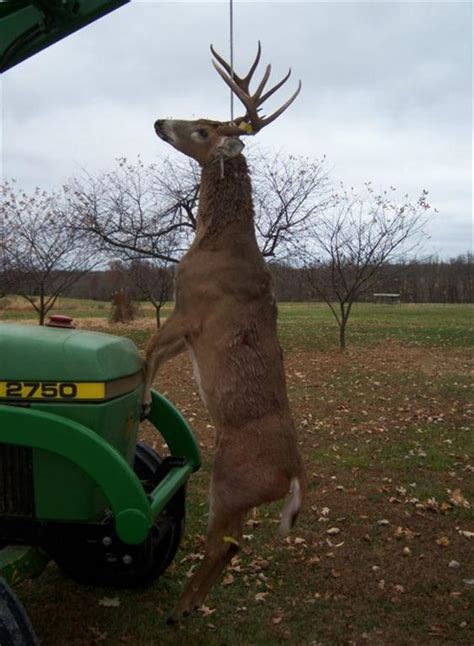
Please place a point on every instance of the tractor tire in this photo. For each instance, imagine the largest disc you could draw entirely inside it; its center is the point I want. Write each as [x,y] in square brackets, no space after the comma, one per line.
[15,627]
[91,563]
[146,466]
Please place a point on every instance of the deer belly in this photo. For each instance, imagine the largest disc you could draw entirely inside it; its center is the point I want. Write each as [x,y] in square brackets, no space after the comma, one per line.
[197,375]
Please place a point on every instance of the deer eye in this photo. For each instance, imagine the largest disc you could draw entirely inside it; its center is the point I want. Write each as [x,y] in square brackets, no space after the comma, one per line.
[202,133]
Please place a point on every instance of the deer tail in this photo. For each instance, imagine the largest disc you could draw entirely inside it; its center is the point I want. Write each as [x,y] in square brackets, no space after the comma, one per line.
[292,507]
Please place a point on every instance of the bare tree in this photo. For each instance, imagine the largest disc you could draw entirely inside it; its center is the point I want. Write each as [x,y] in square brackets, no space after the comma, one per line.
[149,212]
[4,264]
[137,211]
[43,255]
[289,192]
[151,280]
[352,241]
[154,282]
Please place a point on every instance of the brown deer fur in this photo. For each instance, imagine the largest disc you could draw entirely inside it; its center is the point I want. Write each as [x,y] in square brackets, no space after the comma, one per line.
[226,317]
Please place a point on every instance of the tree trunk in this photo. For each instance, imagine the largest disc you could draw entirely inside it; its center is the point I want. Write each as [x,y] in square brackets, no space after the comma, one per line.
[41,308]
[342,327]
[158,319]
[342,335]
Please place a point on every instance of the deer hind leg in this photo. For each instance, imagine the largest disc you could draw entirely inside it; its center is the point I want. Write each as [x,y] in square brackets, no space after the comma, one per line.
[223,540]
[166,343]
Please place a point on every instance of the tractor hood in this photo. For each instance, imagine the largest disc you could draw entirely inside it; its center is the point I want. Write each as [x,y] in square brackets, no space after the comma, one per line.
[39,353]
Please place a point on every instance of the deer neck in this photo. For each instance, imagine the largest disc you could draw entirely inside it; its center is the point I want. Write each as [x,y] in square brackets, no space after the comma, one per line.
[225,200]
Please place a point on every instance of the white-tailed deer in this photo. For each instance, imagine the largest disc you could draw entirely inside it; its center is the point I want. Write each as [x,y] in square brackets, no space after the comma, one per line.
[225,316]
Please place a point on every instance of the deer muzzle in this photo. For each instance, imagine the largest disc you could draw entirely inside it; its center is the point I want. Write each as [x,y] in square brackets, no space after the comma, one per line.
[160,129]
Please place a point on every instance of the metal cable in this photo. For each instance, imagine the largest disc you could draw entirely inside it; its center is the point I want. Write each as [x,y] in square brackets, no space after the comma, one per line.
[231,39]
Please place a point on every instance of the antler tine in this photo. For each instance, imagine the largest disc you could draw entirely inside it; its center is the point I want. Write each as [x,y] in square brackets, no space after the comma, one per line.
[252,102]
[263,82]
[248,78]
[245,98]
[275,88]
[241,82]
[222,61]
[264,122]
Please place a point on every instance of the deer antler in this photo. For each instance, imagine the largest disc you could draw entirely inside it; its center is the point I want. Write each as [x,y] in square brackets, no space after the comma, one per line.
[252,102]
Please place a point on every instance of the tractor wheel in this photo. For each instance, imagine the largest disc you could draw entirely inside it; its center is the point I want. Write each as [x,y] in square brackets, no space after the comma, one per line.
[15,627]
[147,467]
[113,563]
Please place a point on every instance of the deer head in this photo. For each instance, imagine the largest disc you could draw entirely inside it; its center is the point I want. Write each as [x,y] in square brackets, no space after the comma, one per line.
[205,140]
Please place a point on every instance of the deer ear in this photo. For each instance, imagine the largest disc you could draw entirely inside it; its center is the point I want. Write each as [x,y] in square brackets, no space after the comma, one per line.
[230,147]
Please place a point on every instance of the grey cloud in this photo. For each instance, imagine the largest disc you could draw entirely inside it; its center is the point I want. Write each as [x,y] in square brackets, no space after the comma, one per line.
[386,92]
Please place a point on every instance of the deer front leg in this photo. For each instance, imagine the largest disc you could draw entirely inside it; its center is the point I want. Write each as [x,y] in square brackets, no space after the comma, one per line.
[166,343]
[222,543]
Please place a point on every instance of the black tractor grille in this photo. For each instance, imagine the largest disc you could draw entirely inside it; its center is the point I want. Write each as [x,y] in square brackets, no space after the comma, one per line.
[16,481]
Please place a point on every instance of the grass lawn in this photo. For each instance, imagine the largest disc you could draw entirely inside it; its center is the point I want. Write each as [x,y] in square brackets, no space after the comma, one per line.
[383,553]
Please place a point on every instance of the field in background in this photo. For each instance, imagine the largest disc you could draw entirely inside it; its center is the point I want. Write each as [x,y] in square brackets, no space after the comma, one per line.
[422,324]
[383,552]
[15,307]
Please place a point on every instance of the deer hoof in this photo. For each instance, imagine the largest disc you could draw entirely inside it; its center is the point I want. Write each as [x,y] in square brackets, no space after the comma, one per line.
[176,616]
[171,621]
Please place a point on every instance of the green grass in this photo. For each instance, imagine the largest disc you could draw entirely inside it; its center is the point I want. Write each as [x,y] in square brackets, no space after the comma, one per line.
[311,326]
[387,427]
[401,455]
[17,308]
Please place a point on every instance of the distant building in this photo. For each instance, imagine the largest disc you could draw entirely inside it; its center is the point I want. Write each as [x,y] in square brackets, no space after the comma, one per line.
[387,299]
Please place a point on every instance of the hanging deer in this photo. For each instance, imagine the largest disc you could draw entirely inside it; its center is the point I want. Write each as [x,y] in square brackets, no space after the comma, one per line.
[225,317]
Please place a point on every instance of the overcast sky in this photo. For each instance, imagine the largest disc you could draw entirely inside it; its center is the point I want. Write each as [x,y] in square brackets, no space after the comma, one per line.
[387,93]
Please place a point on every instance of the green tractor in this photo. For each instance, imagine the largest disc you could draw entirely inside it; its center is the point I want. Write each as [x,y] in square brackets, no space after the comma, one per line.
[75,485]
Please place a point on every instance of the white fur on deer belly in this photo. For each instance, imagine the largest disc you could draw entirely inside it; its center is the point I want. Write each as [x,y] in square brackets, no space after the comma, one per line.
[197,376]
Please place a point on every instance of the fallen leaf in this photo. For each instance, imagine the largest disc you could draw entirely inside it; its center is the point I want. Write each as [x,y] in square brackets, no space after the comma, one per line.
[109,603]
[228,579]
[459,500]
[261,596]
[97,635]
[431,504]
[444,541]
[206,611]
[332,531]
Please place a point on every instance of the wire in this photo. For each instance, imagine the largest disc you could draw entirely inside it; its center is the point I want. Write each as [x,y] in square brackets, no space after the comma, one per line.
[231,39]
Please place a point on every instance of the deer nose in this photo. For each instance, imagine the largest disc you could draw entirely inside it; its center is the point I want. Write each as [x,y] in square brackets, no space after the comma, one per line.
[159,125]
[160,129]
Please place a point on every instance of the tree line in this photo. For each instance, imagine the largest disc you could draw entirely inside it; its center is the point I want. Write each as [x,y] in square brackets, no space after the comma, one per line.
[431,281]
[126,229]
